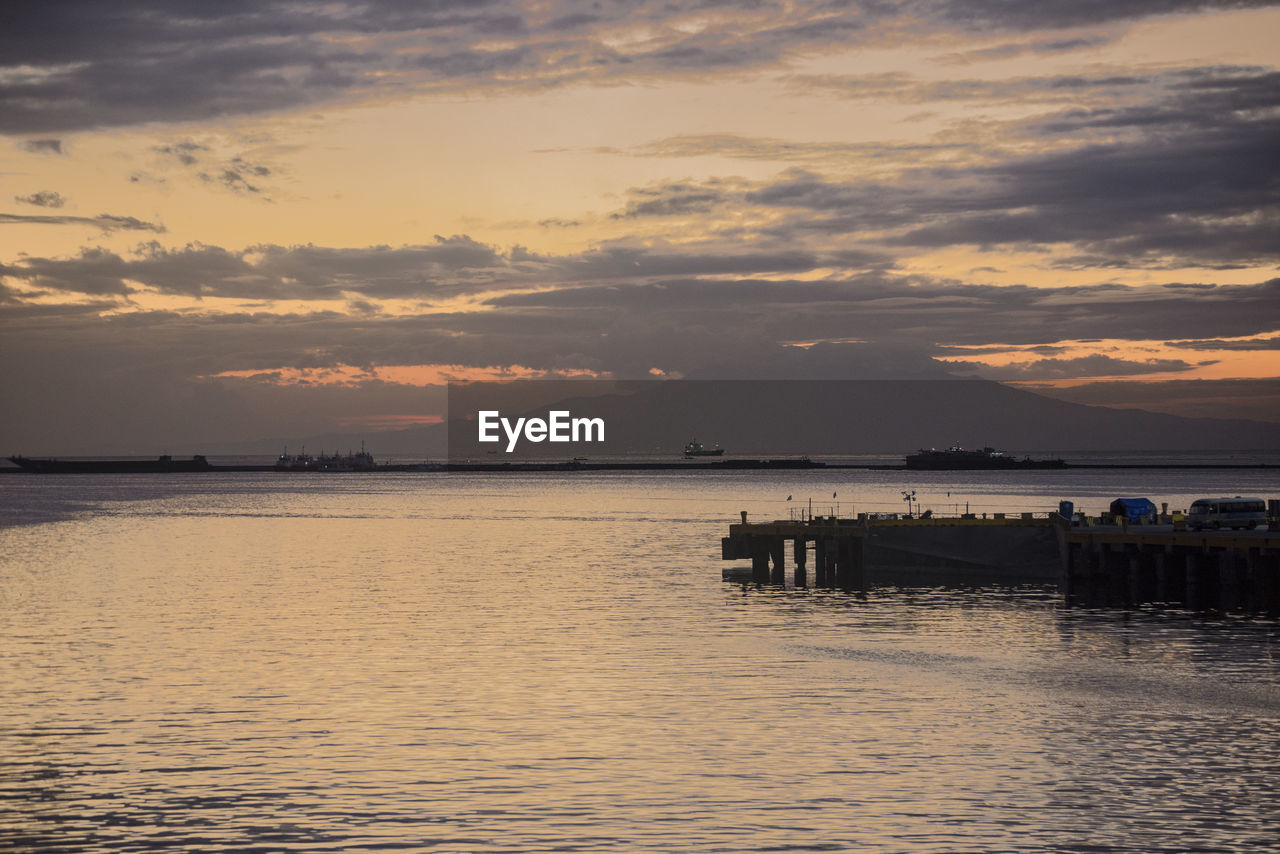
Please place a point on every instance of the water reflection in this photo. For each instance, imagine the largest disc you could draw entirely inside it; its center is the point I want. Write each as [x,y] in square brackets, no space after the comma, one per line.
[554,664]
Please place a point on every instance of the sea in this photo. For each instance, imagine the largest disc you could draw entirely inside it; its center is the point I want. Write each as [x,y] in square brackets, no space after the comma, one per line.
[551,662]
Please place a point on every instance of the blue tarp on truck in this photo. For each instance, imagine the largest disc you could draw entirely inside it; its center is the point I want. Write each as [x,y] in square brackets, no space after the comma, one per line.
[1133,509]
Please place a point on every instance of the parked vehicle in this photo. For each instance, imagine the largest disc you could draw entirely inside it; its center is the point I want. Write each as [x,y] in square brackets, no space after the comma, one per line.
[1231,513]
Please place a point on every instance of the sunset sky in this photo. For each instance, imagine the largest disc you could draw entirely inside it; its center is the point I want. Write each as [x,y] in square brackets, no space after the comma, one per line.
[238,220]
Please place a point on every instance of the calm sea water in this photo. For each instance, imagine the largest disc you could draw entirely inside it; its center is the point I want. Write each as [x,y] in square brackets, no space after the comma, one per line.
[552,663]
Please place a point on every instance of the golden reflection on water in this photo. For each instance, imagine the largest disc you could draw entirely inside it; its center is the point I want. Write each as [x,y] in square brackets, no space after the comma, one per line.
[552,663]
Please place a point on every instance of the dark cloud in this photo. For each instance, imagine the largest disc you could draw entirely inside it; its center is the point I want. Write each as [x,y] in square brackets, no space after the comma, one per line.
[43,146]
[1186,179]
[1185,99]
[106,222]
[857,297]
[43,199]
[904,87]
[94,272]
[80,64]
[671,200]
[1036,14]
[449,266]
[630,265]
[1039,350]
[878,307]
[1044,46]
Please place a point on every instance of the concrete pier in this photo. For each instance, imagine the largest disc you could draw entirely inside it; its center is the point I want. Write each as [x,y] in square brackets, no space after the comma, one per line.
[838,547]
[850,553]
[1091,565]
[1226,571]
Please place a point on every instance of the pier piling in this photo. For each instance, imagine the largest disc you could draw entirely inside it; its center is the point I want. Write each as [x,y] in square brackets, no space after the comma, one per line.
[800,552]
[1227,571]
[778,552]
[820,561]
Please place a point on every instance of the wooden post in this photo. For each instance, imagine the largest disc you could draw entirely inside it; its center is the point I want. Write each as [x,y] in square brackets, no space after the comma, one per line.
[1249,585]
[1070,557]
[1098,574]
[833,558]
[1117,574]
[1193,580]
[1263,572]
[849,563]
[857,561]
[778,551]
[1228,582]
[759,559]
[1162,577]
[820,561]
[800,553]
[1135,579]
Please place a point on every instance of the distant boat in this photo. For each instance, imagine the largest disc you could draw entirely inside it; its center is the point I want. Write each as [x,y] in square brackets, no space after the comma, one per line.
[697,449]
[957,458]
[160,465]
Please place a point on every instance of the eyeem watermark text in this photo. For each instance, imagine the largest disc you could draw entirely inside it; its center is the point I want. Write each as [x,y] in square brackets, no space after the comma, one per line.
[558,426]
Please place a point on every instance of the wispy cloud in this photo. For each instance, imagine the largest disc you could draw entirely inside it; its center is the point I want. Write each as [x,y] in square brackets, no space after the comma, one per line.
[237,173]
[105,222]
[43,146]
[43,199]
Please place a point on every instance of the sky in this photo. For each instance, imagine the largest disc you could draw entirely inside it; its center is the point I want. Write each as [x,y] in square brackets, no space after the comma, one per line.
[230,221]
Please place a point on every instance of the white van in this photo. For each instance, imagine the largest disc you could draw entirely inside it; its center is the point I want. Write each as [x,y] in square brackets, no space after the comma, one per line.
[1226,513]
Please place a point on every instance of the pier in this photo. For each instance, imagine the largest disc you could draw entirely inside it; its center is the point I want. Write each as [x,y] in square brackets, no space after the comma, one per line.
[839,547]
[1094,565]
[1226,571]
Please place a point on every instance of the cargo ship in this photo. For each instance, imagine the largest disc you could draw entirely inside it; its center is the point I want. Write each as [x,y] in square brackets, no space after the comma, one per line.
[697,449]
[957,458]
[160,465]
